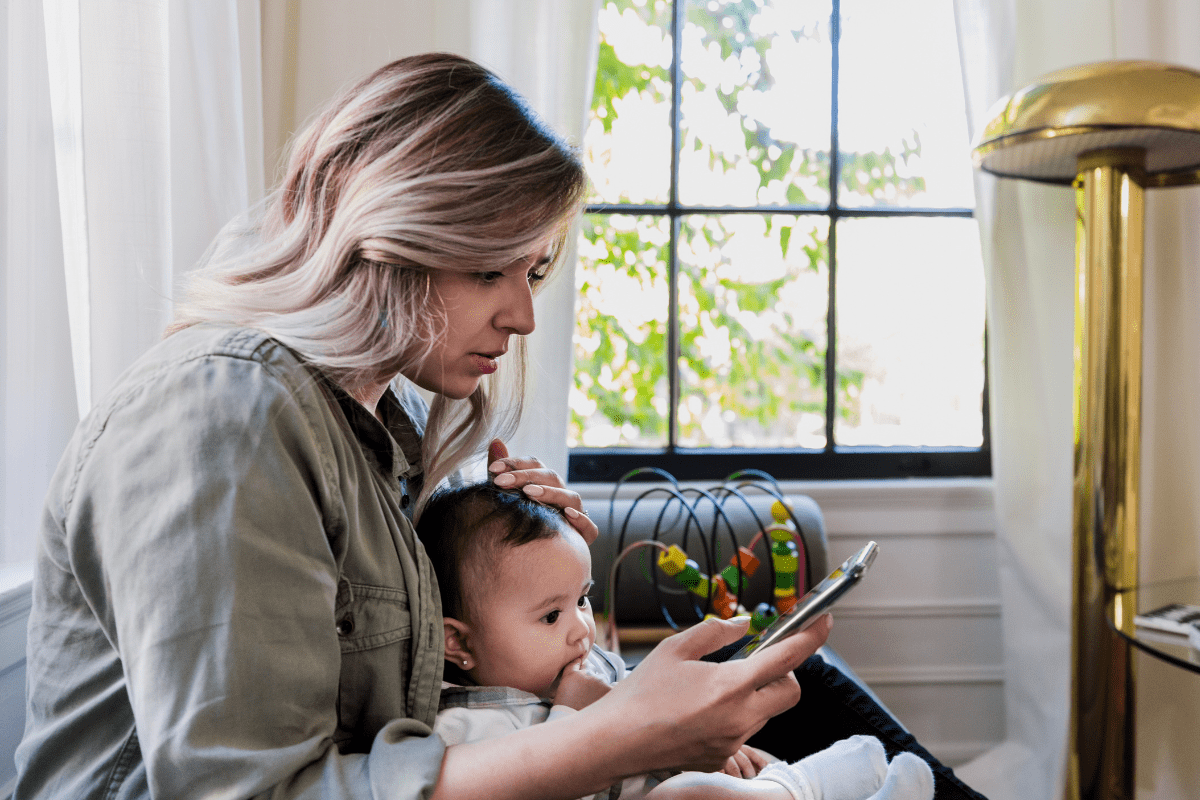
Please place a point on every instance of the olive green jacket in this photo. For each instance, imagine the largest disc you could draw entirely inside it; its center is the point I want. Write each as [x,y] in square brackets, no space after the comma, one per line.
[229,598]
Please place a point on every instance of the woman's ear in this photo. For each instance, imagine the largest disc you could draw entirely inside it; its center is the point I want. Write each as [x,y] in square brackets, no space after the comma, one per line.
[458,650]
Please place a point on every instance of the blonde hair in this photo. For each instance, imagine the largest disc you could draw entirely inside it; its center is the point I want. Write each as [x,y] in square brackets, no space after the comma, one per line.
[429,163]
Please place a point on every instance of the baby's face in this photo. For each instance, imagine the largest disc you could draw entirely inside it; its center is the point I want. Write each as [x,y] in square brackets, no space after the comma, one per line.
[536,620]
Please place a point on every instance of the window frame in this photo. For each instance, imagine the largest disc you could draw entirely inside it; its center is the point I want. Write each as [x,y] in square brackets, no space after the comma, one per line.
[833,462]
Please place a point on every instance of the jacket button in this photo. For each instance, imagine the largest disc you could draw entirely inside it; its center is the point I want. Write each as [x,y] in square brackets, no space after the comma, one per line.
[345,626]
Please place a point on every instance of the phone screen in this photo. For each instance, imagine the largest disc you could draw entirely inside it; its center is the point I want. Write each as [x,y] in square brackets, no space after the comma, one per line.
[815,603]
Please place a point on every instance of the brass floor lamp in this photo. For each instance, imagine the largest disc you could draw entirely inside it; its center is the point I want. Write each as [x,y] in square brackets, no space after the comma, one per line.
[1112,130]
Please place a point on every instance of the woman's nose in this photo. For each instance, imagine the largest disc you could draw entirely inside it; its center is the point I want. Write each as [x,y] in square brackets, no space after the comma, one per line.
[516,314]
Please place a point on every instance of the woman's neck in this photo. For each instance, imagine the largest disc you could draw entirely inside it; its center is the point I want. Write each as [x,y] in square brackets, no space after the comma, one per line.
[369,396]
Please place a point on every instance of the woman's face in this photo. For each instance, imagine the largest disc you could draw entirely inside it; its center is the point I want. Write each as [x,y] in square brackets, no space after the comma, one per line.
[483,310]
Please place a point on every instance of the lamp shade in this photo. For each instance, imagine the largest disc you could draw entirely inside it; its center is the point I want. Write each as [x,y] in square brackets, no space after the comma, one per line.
[1039,132]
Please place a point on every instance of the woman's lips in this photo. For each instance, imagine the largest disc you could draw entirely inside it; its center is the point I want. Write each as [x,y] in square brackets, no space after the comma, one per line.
[484,363]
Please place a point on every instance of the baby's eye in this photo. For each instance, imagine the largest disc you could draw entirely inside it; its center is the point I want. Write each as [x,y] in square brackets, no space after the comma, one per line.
[583,601]
[552,617]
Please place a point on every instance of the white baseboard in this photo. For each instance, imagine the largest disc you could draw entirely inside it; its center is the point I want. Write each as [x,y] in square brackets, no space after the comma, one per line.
[975,608]
[956,753]
[931,675]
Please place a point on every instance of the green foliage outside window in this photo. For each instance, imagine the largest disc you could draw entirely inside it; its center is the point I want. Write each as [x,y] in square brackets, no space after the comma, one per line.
[752,368]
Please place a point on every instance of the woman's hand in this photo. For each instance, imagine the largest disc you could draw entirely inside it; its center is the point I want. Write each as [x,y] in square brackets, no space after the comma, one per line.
[540,483]
[690,714]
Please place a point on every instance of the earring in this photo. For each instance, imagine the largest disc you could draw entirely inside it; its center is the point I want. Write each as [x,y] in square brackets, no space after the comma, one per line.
[464,662]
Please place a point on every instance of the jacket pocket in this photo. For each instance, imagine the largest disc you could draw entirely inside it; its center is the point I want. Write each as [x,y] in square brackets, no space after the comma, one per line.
[373,616]
[374,630]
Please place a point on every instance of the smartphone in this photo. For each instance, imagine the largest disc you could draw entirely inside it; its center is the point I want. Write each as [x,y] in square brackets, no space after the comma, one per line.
[815,603]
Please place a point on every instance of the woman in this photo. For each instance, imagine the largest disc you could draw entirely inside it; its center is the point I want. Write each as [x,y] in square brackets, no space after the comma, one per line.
[229,598]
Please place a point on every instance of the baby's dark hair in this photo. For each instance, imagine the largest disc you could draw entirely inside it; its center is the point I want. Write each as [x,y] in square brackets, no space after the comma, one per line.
[465,528]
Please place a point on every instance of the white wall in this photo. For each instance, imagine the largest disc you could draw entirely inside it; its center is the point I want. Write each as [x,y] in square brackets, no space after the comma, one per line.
[924,631]
[312,48]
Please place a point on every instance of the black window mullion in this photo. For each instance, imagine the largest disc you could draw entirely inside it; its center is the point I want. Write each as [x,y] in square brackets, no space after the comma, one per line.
[823,211]
[673,335]
[831,375]
[673,332]
[831,378]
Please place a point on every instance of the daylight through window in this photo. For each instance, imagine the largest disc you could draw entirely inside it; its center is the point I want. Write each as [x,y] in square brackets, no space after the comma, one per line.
[740,308]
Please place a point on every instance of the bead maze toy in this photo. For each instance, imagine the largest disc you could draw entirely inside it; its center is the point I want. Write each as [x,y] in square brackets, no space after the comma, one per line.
[714,592]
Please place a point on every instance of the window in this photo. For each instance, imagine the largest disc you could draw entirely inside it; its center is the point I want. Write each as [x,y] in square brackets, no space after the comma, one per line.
[740,309]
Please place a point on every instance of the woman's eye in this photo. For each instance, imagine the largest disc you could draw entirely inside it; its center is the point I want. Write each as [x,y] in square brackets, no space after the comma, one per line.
[489,277]
[552,617]
[536,277]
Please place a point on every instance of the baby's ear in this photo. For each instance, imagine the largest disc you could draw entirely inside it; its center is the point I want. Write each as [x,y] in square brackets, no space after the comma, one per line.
[458,650]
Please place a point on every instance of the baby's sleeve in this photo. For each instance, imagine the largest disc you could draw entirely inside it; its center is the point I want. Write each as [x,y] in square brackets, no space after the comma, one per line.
[463,725]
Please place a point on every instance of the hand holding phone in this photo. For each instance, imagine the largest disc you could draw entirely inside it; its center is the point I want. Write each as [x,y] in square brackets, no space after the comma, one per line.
[815,603]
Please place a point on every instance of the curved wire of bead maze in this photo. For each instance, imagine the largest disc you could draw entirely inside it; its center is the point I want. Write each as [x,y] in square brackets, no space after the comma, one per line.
[787,551]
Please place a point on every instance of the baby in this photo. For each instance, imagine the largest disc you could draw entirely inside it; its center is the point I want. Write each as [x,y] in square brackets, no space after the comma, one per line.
[515,579]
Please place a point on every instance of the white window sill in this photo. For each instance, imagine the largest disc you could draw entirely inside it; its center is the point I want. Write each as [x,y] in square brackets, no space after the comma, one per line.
[15,579]
[829,492]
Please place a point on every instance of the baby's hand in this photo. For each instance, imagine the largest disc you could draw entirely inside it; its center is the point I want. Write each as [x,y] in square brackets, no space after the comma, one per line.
[578,689]
[748,762]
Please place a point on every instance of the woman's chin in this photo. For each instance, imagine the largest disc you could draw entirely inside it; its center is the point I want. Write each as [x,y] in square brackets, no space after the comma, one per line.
[458,393]
[456,390]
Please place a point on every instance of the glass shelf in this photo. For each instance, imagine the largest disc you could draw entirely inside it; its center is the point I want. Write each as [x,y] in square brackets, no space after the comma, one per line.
[1168,647]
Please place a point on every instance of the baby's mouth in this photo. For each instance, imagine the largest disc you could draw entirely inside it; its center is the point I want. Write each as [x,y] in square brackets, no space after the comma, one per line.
[577,661]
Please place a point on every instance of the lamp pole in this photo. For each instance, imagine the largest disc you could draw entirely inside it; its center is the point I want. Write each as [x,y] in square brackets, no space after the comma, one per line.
[1107,438]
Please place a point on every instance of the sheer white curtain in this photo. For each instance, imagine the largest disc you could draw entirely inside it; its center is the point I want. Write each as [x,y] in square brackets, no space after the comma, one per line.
[131,134]
[547,50]
[37,406]
[1028,242]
